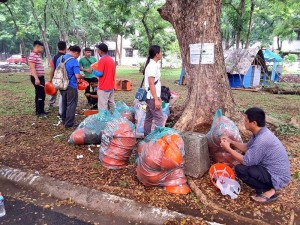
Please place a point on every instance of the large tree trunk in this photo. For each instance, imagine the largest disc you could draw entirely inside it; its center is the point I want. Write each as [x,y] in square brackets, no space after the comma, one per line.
[208,88]
[43,31]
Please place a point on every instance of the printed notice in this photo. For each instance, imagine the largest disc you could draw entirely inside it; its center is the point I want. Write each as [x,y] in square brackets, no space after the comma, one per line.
[207,52]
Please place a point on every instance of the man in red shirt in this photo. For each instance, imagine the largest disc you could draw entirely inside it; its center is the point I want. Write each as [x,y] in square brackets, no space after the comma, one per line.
[106,73]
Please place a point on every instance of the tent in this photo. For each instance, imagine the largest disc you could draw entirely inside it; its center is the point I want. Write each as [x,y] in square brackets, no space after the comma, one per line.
[245,67]
[270,56]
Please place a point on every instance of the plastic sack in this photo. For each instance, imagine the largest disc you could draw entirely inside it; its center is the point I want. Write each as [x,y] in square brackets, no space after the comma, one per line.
[174,97]
[222,126]
[160,161]
[140,115]
[117,143]
[125,110]
[228,186]
[90,129]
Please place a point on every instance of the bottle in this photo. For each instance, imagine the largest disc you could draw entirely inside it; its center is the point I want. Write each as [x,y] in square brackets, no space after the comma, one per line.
[2,208]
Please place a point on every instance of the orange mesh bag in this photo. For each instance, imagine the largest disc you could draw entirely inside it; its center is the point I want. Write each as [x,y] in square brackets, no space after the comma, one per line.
[117,143]
[160,161]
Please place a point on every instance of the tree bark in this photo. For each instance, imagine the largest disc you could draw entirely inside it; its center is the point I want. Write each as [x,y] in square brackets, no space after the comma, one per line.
[208,88]
[121,50]
[43,32]
[240,24]
[250,24]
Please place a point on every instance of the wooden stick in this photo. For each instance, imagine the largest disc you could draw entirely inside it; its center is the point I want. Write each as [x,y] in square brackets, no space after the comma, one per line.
[292,218]
[214,206]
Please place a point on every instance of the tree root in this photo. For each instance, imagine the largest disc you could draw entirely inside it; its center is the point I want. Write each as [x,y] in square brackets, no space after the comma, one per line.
[292,218]
[214,206]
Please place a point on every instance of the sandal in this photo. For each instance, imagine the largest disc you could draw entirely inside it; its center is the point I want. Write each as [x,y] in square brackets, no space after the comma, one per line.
[266,199]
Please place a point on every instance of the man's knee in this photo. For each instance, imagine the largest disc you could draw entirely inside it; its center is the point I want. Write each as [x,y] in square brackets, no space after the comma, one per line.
[241,170]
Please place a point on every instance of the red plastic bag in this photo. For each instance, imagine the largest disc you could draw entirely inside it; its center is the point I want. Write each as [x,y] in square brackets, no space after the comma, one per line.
[222,126]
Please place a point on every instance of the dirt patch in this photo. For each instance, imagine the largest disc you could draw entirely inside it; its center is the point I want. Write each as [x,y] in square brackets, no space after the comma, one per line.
[29,144]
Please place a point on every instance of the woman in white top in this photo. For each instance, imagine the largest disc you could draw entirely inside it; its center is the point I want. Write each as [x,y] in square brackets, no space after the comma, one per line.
[153,86]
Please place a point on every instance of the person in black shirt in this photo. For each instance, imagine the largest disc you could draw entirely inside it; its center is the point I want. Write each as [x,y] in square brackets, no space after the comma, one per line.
[62,48]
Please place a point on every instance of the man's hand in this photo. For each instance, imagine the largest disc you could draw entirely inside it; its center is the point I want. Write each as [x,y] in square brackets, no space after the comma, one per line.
[88,95]
[37,82]
[89,70]
[225,144]
[157,103]
[226,138]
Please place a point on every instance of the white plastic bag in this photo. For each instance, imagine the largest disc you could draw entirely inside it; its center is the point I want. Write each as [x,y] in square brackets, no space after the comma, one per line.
[228,186]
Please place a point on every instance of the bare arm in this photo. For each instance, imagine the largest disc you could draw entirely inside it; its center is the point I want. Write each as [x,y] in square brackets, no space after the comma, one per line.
[92,96]
[51,73]
[34,73]
[153,92]
[226,145]
[240,146]
[79,76]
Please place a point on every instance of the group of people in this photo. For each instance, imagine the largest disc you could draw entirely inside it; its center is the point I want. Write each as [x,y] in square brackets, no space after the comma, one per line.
[264,163]
[101,80]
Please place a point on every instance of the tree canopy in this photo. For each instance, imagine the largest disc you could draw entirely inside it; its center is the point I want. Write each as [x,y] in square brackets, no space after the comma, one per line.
[243,22]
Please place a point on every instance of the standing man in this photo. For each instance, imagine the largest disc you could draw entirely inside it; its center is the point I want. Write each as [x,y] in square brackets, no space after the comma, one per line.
[85,66]
[106,73]
[265,165]
[70,96]
[38,77]
[62,49]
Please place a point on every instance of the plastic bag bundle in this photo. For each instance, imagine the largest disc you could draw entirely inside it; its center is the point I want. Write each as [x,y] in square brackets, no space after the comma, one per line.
[118,141]
[140,115]
[90,129]
[125,110]
[160,161]
[222,126]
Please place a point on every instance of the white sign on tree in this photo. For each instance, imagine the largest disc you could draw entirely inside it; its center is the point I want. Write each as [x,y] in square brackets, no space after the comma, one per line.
[205,50]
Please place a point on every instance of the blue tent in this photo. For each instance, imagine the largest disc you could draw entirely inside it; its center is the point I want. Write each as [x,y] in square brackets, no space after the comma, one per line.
[272,57]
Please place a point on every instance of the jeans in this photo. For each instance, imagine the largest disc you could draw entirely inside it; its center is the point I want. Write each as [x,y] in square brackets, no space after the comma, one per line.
[69,104]
[39,95]
[88,88]
[152,114]
[257,177]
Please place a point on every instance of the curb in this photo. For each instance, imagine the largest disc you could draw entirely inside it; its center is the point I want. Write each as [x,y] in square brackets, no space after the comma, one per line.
[90,198]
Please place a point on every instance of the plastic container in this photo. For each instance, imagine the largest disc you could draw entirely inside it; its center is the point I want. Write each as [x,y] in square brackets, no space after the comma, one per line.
[82,84]
[2,208]
[50,89]
[220,170]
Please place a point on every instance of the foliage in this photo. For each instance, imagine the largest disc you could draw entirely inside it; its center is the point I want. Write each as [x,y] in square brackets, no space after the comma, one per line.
[290,58]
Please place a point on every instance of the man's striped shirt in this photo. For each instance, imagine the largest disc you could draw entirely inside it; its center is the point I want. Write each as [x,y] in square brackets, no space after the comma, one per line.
[37,60]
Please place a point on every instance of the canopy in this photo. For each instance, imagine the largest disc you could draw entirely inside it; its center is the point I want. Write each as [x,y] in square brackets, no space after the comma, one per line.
[271,56]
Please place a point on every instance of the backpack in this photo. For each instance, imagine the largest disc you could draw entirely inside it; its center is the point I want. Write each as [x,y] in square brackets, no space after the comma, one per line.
[165,94]
[60,79]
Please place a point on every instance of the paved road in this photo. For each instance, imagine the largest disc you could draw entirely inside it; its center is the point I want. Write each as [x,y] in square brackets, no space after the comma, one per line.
[21,213]
[28,207]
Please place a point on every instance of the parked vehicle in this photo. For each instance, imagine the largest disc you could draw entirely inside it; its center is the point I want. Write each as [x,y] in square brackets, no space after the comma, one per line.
[17,59]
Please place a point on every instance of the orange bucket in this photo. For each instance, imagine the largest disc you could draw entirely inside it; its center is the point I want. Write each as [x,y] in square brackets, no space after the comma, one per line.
[50,89]
[182,189]
[89,112]
[82,84]
[94,66]
[220,169]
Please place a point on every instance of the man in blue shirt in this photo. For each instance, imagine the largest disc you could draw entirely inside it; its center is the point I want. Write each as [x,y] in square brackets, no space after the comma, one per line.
[70,96]
[265,165]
